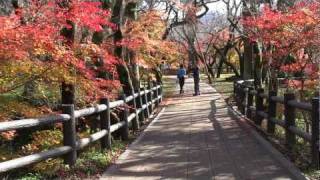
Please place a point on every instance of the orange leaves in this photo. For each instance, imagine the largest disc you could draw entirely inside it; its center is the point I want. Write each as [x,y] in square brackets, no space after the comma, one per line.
[290,30]
[145,37]
[33,35]
[291,40]
[89,14]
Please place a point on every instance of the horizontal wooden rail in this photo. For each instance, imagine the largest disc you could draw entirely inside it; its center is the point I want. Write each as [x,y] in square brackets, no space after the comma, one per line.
[154,95]
[116,104]
[300,133]
[34,158]
[300,105]
[262,114]
[277,99]
[278,122]
[253,92]
[90,111]
[28,123]
[92,138]
[264,95]
[265,107]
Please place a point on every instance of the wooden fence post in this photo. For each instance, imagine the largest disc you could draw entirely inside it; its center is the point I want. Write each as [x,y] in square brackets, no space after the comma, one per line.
[259,107]
[249,103]
[289,112]
[105,124]
[236,93]
[69,134]
[244,101]
[139,105]
[156,95]
[135,122]
[124,117]
[272,112]
[161,93]
[67,94]
[315,133]
[150,97]
[147,112]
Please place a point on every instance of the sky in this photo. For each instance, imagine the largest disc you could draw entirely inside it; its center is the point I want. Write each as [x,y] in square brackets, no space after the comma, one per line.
[217,6]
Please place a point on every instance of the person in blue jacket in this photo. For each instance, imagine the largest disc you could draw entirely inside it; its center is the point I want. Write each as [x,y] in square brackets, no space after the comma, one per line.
[181,76]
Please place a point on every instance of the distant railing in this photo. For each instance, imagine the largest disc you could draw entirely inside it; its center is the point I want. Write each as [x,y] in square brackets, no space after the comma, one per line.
[258,105]
[143,103]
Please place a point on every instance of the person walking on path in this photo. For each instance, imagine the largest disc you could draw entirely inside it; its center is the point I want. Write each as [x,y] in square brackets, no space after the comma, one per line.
[196,78]
[181,74]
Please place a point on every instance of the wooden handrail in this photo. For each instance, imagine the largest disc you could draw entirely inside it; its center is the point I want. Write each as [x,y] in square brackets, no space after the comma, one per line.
[68,119]
[263,111]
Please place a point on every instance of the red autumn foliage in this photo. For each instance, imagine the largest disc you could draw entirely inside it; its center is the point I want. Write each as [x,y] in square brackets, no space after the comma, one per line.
[294,33]
[34,32]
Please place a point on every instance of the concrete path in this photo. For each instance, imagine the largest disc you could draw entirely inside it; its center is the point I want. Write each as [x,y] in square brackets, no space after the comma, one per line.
[197,138]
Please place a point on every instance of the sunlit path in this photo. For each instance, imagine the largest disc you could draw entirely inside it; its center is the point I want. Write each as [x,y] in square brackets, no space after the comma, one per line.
[197,138]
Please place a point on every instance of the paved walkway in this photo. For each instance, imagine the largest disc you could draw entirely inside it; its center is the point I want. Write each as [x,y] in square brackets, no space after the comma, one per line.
[197,138]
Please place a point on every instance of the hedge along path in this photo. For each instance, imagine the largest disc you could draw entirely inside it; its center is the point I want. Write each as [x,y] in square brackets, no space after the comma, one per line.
[196,137]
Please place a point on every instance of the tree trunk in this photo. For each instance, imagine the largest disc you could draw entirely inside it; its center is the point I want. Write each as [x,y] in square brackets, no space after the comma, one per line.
[233,67]
[247,60]
[241,59]
[131,13]
[158,75]
[258,65]
[209,74]
[122,69]
[220,64]
[273,81]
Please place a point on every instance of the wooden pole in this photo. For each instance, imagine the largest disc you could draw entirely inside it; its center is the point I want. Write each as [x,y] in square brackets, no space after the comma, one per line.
[315,133]
[125,128]
[244,101]
[147,112]
[249,103]
[156,96]
[289,112]
[150,97]
[135,122]
[69,134]
[259,107]
[139,105]
[67,94]
[105,124]
[272,112]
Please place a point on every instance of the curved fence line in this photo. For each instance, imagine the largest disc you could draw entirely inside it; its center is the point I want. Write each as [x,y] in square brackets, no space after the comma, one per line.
[143,103]
[257,105]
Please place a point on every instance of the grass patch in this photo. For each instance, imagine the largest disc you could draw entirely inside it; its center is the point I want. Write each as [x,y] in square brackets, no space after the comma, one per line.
[222,84]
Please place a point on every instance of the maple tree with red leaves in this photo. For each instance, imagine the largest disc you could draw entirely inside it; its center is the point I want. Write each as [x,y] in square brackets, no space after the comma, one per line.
[28,35]
[290,40]
[39,51]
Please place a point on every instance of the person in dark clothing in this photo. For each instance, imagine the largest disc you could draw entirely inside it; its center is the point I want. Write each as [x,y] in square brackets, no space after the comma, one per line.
[181,73]
[196,79]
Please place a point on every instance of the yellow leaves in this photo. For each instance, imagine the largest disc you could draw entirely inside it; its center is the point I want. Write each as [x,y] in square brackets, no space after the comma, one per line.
[43,140]
[149,28]
[39,51]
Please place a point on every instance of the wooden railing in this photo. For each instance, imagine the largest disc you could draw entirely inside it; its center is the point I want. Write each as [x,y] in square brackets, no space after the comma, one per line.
[257,105]
[143,101]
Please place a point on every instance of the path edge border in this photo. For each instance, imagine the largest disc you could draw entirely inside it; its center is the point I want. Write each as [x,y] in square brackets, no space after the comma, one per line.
[273,151]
